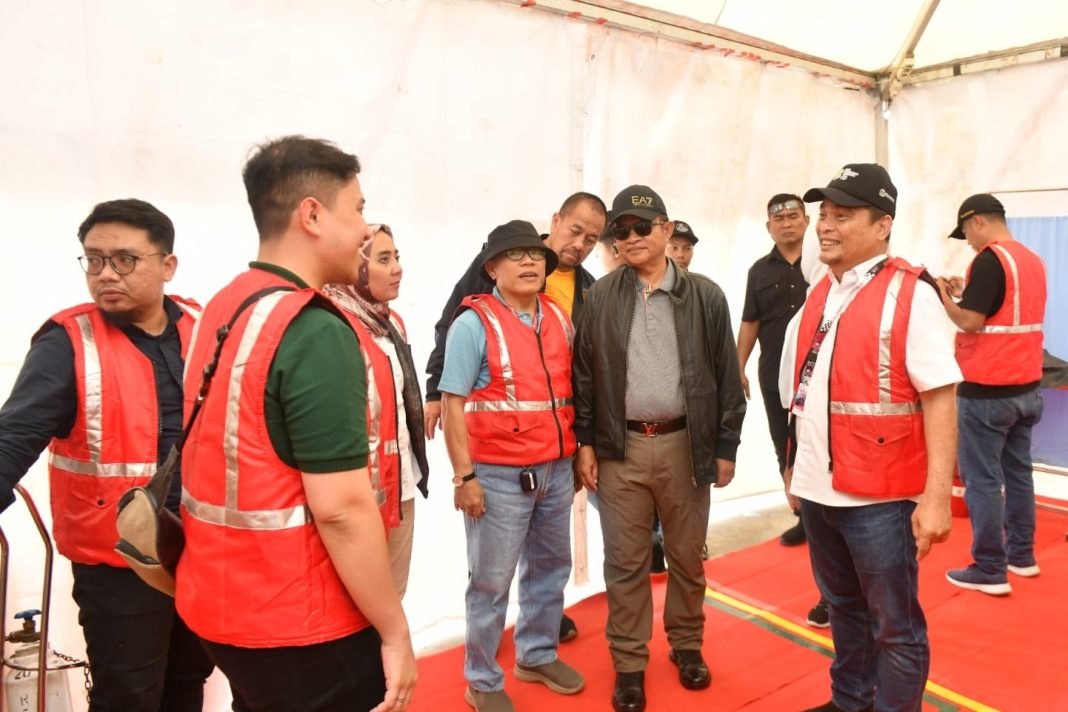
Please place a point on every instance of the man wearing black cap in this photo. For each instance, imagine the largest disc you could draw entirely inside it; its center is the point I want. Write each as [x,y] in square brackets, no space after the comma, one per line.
[680,245]
[658,416]
[873,441]
[774,290]
[506,388]
[999,350]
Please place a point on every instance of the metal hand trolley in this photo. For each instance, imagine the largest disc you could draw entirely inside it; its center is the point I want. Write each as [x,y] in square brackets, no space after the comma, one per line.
[28,635]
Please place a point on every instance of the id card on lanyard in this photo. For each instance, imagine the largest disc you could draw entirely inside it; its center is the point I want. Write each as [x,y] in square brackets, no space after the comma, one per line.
[817,341]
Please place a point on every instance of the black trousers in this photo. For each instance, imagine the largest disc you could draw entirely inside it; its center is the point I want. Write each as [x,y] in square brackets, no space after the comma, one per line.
[343,675]
[142,656]
[778,422]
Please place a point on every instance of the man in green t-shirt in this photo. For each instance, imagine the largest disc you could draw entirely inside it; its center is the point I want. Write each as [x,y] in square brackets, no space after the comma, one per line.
[286,573]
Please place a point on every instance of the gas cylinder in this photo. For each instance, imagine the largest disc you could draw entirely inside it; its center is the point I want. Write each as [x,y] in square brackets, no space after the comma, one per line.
[20,686]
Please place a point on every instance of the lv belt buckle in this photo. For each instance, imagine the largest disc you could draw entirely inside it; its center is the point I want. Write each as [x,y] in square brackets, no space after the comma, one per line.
[649,429]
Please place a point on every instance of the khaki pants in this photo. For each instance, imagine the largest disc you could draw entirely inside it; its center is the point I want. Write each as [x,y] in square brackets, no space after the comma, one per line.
[400,546]
[657,475]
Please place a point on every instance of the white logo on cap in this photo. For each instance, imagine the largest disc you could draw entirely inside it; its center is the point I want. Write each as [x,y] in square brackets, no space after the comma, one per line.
[681,227]
[846,174]
[641,201]
[882,192]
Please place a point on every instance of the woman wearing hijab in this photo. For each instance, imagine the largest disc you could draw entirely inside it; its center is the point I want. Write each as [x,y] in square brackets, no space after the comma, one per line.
[398,420]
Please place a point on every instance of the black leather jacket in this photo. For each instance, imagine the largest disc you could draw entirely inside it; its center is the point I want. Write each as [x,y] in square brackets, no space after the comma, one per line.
[712,387]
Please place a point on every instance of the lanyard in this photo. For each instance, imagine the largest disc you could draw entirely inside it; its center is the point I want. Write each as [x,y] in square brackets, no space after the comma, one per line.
[817,340]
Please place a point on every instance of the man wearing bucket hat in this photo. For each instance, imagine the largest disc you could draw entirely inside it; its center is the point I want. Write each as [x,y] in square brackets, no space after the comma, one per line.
[507,410]
[573,233]
[658,415]
[72,396]
[872,444]
[681,244]
[999,349]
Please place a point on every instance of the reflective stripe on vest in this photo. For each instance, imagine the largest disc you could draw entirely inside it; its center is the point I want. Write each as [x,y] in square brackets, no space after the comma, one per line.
[94,420]
[513,404]
[885,406]
[374,412]
[230,515]
[1016,327]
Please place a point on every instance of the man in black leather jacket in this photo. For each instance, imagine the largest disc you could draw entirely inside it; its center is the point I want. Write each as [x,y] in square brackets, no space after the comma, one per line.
[658,416]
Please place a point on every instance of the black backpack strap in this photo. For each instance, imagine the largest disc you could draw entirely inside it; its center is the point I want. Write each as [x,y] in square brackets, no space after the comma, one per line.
[160,484]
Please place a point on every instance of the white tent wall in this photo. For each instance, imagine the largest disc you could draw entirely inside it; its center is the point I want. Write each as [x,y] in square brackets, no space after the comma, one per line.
[464,114]
[990,132]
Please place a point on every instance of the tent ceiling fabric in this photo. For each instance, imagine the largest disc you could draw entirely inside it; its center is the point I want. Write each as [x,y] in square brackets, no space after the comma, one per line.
[868,35]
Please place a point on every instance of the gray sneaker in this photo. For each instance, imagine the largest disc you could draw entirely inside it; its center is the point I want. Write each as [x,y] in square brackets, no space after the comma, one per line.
[498,701]
[558,676]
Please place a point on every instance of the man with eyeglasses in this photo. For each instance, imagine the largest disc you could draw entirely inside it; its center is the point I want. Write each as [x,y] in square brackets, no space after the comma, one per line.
[573,233]
[101,387]
[508,414]
[658,417]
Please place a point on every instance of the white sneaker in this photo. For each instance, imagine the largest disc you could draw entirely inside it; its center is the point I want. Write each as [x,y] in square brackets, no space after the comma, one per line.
[1025,571]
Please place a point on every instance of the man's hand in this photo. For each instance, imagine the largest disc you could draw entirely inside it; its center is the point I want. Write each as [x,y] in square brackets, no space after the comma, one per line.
[745,384]
[724,472]
[792,500]
[931,522]
[398,662]
[469,498]
[586,467]
[432,418]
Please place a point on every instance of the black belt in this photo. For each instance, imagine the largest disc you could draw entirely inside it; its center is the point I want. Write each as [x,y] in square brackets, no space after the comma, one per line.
[662,427]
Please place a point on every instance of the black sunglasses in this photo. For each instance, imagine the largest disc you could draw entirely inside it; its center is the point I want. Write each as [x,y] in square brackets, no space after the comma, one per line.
[621,231]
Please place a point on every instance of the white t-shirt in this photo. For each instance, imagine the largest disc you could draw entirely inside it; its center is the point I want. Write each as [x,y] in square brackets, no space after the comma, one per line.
[410,472]
[929,360]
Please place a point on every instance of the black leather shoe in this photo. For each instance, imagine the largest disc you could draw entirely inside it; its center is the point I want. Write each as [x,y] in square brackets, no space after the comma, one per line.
[794,536]
[693,673]
[568,629]
[629,695]
[831,707]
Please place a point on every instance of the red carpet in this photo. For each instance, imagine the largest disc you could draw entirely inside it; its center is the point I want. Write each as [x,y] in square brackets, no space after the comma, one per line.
[987,653]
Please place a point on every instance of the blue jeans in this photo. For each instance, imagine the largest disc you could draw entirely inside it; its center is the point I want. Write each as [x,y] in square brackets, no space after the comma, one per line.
[533,530]
[864,561]
[994,452]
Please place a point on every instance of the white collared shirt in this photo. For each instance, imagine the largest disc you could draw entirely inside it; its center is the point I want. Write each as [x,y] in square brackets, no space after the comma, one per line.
[929,360]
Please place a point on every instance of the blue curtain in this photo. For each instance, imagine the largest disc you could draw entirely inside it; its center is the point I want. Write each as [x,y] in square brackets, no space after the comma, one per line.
[1049,238]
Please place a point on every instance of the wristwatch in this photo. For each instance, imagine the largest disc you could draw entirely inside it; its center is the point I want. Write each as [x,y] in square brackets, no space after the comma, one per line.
[458,481]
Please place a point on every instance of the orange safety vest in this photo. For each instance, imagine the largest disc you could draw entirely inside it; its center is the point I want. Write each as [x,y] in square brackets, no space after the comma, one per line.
[875,423]
[383,460]
[524,415]
[255,572]
[113,444]
[1007,351]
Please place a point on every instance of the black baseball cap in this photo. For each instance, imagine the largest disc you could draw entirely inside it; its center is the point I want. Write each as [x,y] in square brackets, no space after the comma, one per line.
[515,233]
[640,200]
[858,185]
[683,229]
[978,204]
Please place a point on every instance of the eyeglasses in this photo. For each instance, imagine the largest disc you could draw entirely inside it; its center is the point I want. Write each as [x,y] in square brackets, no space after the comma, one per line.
[120,264]
[642,228]
[785,205]
[516,253]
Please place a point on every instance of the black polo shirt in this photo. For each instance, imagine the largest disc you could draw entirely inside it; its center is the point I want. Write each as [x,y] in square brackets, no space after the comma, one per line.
[774,291]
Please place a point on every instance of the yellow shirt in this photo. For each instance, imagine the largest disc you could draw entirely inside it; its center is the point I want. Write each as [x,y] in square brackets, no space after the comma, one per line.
[560,285]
